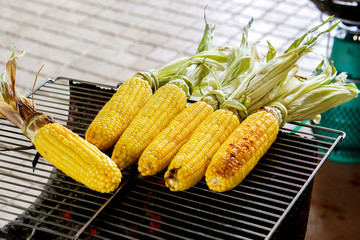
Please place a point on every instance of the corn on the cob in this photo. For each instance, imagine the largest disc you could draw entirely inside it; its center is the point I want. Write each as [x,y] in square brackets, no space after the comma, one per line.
[241,151]
[167,143]
[117,113]
[77,158]
[66,150]
[162,107]
[189,165]
[249,142]
[294,100]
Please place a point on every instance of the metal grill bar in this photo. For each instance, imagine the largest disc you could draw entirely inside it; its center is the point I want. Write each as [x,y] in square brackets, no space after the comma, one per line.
[91,210]
[214,207]
[34,175]
[143,208]
[258,182]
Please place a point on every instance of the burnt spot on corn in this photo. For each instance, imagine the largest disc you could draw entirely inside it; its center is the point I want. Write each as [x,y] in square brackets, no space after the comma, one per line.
[171,178]
[235,154]
[172,173]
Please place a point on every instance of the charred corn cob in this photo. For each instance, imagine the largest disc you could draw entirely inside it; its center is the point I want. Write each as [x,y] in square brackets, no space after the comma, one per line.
[67,151]
[117,113]
[77,158]
[167,102]
[241,151]
[295,100]
[250,141]
[167,143]
[251,92]
[189,165]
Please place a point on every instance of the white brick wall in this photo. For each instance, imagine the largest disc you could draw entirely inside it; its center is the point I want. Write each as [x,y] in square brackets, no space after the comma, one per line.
[95,39]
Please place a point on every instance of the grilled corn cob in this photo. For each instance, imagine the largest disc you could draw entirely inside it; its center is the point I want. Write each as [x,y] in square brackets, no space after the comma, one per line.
[117,113]
[189,165]
[163,148]
[167,102]
[251,92]
[295,100]
[241,151]
[77,158]
[67,151]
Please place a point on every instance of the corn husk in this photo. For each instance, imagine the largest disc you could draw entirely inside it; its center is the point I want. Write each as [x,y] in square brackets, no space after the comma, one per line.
[217,89]
[261,85]
[301,98]
[187,73]
[16,108]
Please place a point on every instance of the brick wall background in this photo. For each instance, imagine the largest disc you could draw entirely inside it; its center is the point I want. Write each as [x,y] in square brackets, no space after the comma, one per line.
[108,41]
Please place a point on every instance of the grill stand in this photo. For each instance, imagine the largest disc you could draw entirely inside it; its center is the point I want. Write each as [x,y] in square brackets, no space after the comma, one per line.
[295,223]
[272,201]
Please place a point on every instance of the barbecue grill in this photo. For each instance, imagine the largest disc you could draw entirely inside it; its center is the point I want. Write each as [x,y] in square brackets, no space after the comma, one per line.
[42,203]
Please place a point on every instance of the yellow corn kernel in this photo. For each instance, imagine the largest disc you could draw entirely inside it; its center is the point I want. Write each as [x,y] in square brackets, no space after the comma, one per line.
[241,151]
[167,143]
[167,102]
[189,165]
[77,158]
[117,113]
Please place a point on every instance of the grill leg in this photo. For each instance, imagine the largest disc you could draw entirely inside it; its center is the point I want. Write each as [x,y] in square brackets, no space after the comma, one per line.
[295,223]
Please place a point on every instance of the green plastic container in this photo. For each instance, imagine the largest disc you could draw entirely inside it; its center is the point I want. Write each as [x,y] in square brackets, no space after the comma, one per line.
[346,51]
[346,117]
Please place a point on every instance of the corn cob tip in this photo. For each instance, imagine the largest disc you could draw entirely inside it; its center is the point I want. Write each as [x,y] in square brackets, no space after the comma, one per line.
[172,181]
[122,160]
[148,168]
[116,115]
[155,158]
[146,171]
[214,184]
[221,172]
[218,183]
[145,163]
[105,184]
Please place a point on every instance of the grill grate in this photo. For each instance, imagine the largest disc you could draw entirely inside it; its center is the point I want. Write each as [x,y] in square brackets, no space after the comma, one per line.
[46,204]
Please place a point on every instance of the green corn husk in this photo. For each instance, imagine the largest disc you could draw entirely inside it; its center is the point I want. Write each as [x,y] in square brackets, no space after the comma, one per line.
[216,89]
[208,36]
[261,84]
[187,71]
[301,99]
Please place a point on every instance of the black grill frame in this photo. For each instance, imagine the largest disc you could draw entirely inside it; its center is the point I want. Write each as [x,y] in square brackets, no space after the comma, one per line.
[253,210]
